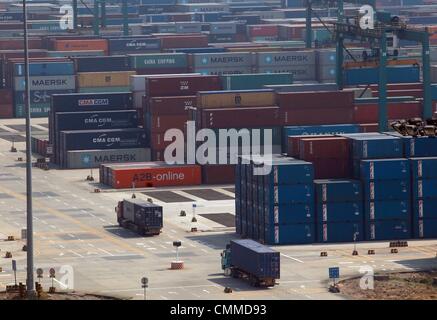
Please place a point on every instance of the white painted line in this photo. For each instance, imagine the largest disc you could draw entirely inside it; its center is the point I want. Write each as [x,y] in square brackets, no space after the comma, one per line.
[174,231]
[52,226]
[206,291]
[345,262]
[104,251]
[165,298]
[45,222]
[66,204]
[61,246]
[61,254]
[151,248]
[289,257]
[91,245]
[57,200]
[77,254]
[206,251]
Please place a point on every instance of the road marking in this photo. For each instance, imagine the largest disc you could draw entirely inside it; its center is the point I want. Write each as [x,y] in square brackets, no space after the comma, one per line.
[77,254]
[45,222]
[61,246]
[91,245]
[57,200]
[104,251]
[345,262]
[289,257]
[52,226]
[165,298]
[206,291]
[206,251]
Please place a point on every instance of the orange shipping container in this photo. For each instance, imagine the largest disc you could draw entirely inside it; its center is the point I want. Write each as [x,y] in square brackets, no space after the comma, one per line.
[156,176]
[81,45]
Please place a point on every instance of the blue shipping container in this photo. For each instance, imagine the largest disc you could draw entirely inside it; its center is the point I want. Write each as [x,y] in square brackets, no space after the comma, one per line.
[291,172]
[375,147]
[388,230]
[288,214]
[255,258]
[340,212]
[425,229]
[287,194]
[387,210]
[340,232]
[45,69]
[338,190]
[385,169]
[425,188]
[387,190]
[424,168]
[424,209]
[287,234]
[371,75]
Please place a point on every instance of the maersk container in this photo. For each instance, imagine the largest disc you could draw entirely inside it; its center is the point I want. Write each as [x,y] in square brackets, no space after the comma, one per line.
[299,72]
[255,258]
[288,194]
[215,60]
[425,189]
[90,120]
[340,212]
[94,102]
[159,61]
[254,81]
[287,214]
[425,229]
[289,234]
[385,169]
[381,230]
[103,139]
[387,210]
[375,147]
[365,76]
[338,191]
[62,82]
[424,168]
[284,58]
[80,159]
[37,69]
[424,209]
[290,172]
[333,232]
[387,190]
[101,64]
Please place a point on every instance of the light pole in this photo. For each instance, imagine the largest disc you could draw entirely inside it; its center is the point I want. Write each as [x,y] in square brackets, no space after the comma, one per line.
[30,283]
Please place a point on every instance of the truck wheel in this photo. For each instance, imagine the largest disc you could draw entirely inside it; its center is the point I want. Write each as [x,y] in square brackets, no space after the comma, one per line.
[228,272]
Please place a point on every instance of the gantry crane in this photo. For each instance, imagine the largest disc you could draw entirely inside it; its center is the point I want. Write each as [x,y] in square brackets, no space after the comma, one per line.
[385,24]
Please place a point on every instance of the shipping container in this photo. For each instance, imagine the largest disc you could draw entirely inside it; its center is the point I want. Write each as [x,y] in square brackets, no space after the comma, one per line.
[102,64]
[235,98]
[61,82]
[291,234]
[159,61]
[338,191]
[425,229]
[80,159]
[104,79]
[424,168]
[381,230]
[180,86]
[387,210]
[254,81]
[94,102]
[340,212]
[333,232]
[425,189]
[387,190]
[385,169]
[284,214]
[143,217]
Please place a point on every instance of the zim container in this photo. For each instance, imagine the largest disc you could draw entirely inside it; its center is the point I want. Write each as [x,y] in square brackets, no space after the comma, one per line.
[170,105]
[180,86]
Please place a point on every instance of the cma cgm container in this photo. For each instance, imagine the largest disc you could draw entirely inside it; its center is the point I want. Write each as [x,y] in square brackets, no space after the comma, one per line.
[91,101]
[82,159]
[98,120]
[155,174]
[133,45]
[103,139]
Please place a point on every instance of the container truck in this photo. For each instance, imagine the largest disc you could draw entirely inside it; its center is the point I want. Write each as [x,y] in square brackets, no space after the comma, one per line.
[142,217]
[250,260]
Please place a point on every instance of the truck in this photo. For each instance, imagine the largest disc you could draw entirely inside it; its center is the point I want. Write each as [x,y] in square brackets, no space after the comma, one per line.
[142,217]
[250,260]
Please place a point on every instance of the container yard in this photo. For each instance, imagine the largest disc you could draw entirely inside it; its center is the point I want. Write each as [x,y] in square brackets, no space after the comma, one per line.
[218,150]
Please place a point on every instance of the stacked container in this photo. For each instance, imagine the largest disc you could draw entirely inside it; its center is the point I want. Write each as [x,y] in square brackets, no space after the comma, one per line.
[221,63]
[301,64]
[424,180]
[339,208]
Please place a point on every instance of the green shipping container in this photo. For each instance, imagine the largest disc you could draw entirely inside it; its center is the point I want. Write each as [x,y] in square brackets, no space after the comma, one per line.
[159,61]
[103,89]
[37,110]
[254,81]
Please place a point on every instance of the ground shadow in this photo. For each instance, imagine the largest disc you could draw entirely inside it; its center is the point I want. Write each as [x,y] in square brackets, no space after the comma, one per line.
[122,232]
[419,264]
[237,285]
[216,241]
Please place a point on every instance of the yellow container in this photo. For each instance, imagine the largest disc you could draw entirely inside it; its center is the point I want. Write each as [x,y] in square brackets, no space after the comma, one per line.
[236,99]
[104,79]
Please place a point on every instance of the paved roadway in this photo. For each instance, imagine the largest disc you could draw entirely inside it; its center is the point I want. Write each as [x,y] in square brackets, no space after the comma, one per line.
[77,228]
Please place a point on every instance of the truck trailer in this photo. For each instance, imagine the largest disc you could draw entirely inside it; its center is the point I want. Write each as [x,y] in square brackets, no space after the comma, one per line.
[248,259]
[140,216]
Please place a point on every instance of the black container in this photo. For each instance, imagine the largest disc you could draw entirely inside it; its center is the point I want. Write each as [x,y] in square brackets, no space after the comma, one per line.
[143,214]
[91,101]
[102,64]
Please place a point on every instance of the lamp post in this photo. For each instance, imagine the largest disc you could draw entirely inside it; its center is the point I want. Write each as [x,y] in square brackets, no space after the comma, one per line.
[30,284]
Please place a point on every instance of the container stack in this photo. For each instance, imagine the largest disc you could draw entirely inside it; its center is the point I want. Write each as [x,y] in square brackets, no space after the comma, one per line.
[109,133]
[339,211]
[224,63]
[47,77]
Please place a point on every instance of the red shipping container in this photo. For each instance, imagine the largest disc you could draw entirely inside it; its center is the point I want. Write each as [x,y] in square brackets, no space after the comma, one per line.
[8,54]
[399,86]
[417,93]
[170,105]
[240,117]
[332,168]
[157,141]
[6,111]
[218,174]
[183,41]
[156,175]
[81,45]
[293,143]
[158,154]
[263,30]
[316,100]
[163,123]
[18,43]
[317,116]
[368,112]
[181,86]
[324,148]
